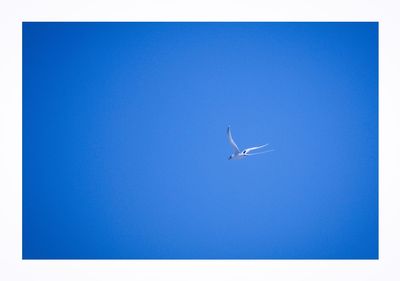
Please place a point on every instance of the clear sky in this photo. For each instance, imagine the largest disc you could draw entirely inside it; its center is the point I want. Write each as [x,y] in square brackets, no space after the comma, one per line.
[125,152]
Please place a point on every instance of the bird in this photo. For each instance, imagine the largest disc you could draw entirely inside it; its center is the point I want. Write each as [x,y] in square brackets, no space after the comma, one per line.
[237,154]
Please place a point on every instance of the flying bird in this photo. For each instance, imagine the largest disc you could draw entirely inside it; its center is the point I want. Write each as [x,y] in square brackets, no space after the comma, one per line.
[237,154]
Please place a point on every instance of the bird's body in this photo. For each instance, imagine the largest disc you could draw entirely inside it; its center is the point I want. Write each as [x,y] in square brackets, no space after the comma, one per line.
[237,154]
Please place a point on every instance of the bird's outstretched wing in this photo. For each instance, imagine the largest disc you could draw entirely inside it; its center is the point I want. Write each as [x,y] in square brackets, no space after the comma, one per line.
[231,141]
[247,150]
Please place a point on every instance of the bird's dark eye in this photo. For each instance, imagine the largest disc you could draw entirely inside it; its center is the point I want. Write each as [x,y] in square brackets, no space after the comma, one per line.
[244,151]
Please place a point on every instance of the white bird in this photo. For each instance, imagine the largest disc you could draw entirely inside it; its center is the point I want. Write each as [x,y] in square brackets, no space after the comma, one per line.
[237,154]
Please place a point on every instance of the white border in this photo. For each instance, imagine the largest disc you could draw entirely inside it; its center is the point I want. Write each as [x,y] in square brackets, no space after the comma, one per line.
[12,267]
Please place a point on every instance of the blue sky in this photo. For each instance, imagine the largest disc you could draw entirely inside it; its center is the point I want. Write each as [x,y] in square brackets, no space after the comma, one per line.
[125,150]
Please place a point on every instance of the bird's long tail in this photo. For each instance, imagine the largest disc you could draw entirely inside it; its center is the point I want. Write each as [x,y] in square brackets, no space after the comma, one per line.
[261,152]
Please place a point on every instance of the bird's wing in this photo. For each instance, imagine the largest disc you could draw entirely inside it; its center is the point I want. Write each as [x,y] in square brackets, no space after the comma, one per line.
[261,152]
[232,142]
[254,148]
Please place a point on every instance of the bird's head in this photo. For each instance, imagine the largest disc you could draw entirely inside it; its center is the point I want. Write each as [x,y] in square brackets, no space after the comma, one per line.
[230,157]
